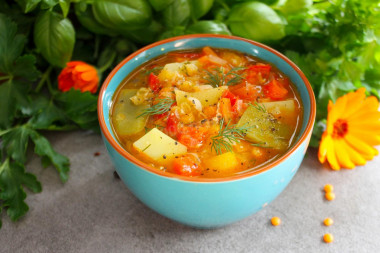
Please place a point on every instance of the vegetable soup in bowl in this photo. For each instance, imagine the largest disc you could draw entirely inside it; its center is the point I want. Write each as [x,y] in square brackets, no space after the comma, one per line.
[206,129]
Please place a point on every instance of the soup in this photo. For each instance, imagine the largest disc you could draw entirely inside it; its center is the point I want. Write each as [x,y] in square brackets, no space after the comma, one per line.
[207,112]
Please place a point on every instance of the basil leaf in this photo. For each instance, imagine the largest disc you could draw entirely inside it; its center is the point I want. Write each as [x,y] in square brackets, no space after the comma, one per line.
[208,26]
[86,18]
[122,15]
[200,7]
[54,37]
[65,7]
[159,5]
[256,21]
[28,5]
[146,35]
[177,14]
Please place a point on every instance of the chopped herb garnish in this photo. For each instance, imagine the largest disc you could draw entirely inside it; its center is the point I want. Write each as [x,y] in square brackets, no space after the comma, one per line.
[218,78]
[259,107]
[163,105]
[227,136]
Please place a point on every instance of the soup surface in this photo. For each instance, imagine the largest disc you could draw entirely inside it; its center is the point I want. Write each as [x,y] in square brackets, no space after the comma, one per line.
[206,113]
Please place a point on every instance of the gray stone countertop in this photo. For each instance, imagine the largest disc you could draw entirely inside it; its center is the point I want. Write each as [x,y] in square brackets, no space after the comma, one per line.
[95,212]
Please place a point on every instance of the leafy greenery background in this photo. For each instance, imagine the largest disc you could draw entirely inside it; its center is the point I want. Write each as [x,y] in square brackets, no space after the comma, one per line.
[335,43]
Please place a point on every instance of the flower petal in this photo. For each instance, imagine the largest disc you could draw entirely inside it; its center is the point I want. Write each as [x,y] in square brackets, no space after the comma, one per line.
[355,99]
[331,158]
[342,155]
[370,137]
[355,156]
[323,146]
[362,147]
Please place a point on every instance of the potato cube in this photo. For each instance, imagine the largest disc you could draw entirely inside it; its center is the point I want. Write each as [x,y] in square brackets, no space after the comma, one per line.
[224,162]
[159,146]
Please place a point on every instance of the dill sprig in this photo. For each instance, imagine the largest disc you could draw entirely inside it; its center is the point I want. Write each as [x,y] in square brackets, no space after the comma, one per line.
[218,78]
[163,105]
[227,136]
[259,107]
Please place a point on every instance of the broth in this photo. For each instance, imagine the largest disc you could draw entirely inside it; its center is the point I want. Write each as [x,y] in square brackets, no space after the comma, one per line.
[207,112]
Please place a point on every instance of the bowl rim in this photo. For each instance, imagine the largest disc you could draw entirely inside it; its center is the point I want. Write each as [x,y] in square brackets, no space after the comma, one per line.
[114,143]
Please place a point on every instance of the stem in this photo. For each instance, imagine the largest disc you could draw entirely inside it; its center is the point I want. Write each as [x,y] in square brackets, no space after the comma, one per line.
[107,64]
[51,90]
[44,78]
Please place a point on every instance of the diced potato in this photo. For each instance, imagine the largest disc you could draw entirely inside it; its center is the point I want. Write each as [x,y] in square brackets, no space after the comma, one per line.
[285,109]
[159,146]
[174,71]
[206,97]
[224,162]
[263,128]
[125,114]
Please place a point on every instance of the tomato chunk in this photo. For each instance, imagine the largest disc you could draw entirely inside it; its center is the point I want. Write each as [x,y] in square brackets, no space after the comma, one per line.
[231,96]
[171,128]
[245,91]
[192,137]
[275,90]
[186,166]
[154,83]
[258,73]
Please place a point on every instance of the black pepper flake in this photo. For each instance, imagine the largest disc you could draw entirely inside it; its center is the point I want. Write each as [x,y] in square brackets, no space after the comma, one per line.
[208,169]
[193,101]
[241,163]
[176,156]
[175,143]
[97,154]
[164,156]
[203,121]
[206,100]
[185,96]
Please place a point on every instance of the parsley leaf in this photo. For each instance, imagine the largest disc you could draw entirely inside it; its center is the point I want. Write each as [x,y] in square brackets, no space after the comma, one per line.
[12,179]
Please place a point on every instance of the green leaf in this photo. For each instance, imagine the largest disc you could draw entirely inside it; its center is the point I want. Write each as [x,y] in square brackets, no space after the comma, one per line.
[80,107]
[65,7]
[208,26]
[200,8]
[294,6]
[256,21]
[125,15]
[49,4]
[54,37]
[86,18]
[13,94]
[177,14]
[11,44]
[28,5]
[159,5]
[12,179]
[48,117]
[15,142]
[25,67]
[44,149]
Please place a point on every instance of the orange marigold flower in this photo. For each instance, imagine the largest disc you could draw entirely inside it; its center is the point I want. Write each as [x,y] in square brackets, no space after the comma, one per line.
[353,128]
[80,76]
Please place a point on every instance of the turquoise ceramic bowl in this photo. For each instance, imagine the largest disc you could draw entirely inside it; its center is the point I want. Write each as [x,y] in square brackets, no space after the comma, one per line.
[206,203]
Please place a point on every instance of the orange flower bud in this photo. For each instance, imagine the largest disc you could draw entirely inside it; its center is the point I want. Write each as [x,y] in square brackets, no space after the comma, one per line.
[80,76]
